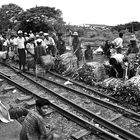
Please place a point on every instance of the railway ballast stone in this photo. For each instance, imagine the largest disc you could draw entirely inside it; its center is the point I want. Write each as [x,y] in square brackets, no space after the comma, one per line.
[8,133]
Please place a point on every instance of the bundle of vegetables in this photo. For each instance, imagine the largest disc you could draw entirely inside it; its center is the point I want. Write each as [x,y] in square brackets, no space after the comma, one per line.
[69,60]
[110,83]
[128,92]
[98,70]
[85,74]
[47,61]
[58,66]
[134,62]
[135,80]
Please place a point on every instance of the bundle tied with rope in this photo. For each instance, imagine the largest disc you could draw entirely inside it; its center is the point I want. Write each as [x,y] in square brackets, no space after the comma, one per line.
[69,60]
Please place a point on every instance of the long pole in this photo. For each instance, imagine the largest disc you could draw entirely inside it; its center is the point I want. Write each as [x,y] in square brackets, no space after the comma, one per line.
[132,28]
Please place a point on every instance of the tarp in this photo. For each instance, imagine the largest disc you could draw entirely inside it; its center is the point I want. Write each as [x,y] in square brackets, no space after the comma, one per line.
[4,114]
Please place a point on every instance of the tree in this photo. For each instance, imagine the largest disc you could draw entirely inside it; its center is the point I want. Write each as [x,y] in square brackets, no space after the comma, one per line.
[8,14]
[40,18]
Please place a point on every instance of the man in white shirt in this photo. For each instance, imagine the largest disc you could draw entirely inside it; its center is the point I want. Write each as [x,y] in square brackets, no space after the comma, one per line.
[118,42]
[20,42]
[49,44]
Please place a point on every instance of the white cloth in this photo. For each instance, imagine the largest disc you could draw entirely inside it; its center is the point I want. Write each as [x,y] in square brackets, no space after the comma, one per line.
[119,57]
[20,42]
[6,42]
[4,114]
[13,41]
[98,50]
[30,47]
[49,41]
[118,42]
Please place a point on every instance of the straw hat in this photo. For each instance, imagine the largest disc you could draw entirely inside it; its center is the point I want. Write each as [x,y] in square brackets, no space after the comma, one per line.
[39,40]
[75,34]
[45,34]
[20,32]
[133,38]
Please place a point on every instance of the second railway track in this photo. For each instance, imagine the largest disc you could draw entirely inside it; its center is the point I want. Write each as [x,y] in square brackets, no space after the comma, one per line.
[92,116]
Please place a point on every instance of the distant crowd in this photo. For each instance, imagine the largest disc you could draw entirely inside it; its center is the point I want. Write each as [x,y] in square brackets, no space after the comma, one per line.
[34,45]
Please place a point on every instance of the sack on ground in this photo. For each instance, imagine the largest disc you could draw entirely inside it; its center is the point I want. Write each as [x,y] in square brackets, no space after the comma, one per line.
[98,70]
[47,61]
[110,83]
[69,60]
[135,80]
[3,54]
[11,54]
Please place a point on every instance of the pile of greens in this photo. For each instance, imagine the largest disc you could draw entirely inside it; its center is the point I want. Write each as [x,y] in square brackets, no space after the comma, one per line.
[85,74]
[128,93]
[58,66]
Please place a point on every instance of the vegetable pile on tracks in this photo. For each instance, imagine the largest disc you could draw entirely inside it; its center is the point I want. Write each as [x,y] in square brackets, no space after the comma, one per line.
[129,93]
[85,74]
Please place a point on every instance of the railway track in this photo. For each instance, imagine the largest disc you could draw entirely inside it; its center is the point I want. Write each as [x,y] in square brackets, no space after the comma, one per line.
[93,122]
[88,92]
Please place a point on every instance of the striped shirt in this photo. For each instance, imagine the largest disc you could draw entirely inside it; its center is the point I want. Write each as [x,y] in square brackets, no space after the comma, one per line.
[33,127]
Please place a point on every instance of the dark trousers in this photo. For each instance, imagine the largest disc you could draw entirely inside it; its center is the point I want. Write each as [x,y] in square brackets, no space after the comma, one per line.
[51,50]
[22,58]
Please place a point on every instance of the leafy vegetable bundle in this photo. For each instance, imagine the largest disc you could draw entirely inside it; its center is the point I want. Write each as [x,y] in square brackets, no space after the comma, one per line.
[58,66]
[85,74]
[129,93]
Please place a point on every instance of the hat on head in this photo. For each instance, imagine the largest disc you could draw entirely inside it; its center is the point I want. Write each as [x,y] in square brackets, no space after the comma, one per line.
[25,33]
[46,34]
[133,38]
[41,32]
[19,32]
[39,40]
[37,35]
[32,36]
[75,34]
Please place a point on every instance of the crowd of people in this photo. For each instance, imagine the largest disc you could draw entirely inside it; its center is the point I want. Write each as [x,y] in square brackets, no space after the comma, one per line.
[122,61]
[25,47]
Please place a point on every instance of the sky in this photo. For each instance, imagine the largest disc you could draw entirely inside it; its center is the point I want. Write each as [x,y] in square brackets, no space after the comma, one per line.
[76,12]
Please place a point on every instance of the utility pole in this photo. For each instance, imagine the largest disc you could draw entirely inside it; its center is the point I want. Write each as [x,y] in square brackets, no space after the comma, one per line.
[132,28]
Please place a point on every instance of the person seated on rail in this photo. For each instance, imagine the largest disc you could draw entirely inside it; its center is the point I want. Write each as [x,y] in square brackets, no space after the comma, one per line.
[34,127]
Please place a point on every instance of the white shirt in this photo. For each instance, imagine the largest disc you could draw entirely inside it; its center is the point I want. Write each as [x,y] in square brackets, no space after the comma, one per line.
[49,41]
[20,42]
[30,47]
[118,56]
[118,42]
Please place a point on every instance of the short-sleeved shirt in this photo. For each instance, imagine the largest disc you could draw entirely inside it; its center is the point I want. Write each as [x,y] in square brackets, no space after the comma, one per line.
[33,127]
[20,42]
[118,42]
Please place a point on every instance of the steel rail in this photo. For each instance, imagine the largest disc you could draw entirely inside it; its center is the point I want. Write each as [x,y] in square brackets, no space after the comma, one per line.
[88,125]
[83,86]
[125,112]
[109,125]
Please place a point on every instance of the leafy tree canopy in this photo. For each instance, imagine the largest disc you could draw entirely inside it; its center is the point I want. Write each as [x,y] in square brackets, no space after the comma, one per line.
[40,18]
[8,14]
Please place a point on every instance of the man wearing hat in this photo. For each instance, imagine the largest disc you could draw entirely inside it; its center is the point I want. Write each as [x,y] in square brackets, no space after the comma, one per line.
[118,42]
[76,46]
[50,44]
[60,44]
[20,43]
[132,47]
